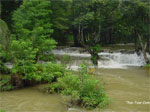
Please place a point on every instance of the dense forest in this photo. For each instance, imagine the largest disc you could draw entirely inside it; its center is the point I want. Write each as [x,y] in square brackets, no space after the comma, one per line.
[88,23]
[31,29]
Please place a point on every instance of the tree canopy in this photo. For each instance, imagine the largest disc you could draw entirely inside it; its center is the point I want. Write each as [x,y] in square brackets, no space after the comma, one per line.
[88,23]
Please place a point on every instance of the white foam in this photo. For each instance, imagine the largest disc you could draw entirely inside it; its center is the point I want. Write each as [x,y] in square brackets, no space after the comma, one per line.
[107,60]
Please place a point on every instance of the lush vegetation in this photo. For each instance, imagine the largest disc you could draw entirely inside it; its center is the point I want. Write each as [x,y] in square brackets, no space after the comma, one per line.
[5,84]
[28,43]
[84,89]
[89,23]
[31,29]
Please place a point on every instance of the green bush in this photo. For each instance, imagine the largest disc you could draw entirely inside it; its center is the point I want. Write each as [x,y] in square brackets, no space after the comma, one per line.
[94,55]
[84,89]
[5,84]
[48,57]
[50,71]
[3,69]
[39,72]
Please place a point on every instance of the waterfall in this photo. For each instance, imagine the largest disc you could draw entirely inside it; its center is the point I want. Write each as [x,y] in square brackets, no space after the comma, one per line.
[107,59]
[120,60]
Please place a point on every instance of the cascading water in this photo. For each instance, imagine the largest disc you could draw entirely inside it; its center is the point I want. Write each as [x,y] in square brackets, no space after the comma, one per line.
[120,60]
[107,59]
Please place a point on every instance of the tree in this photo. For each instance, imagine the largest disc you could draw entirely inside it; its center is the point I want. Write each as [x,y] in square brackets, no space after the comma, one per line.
[30,41]
[136,15]
[61,13]
[93,21]
[32,21]
[7,8]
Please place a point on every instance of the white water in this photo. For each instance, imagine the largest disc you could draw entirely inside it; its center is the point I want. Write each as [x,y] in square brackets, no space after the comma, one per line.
[119,60]
[107,60]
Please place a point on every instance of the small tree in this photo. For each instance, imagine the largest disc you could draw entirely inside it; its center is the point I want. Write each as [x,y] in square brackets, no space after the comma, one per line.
[88,23]
[32,22]
[32,29]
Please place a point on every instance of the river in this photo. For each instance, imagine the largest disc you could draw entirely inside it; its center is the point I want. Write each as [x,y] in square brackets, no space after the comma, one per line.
[125,82]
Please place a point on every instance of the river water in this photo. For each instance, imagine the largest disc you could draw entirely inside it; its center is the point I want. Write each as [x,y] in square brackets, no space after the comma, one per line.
[125,82]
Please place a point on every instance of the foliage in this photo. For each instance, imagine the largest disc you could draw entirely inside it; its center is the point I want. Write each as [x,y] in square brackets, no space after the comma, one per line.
[51,71]
[5,84]
[61,12]
[39,72]
[22,51]
[94,20]
[4,41]
[4,46]
[3,30]
[84,89]
[25,66]
[48,57]
[3,68]
[23,57]
[94,55]
[31,42]
[115,19]
[32,21]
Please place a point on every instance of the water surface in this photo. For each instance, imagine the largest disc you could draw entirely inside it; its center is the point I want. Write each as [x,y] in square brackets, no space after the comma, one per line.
[123,86]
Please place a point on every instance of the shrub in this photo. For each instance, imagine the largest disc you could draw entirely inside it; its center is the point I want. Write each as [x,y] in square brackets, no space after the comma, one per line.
[3,69]
[5,84]
[47,72]
[50,71]
[84,89]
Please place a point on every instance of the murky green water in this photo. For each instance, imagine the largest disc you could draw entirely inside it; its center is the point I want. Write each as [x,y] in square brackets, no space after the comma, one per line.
[127,87]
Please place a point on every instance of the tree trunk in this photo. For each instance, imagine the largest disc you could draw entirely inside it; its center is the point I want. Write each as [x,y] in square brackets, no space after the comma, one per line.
[145,57]
[148,45]
[144,46]
[75,36]
[135,41]
[17,81]
[110,35]
[37,57]
[112,32]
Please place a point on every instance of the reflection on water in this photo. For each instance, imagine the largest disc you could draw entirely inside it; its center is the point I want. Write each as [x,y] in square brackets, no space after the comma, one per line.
[124,86]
